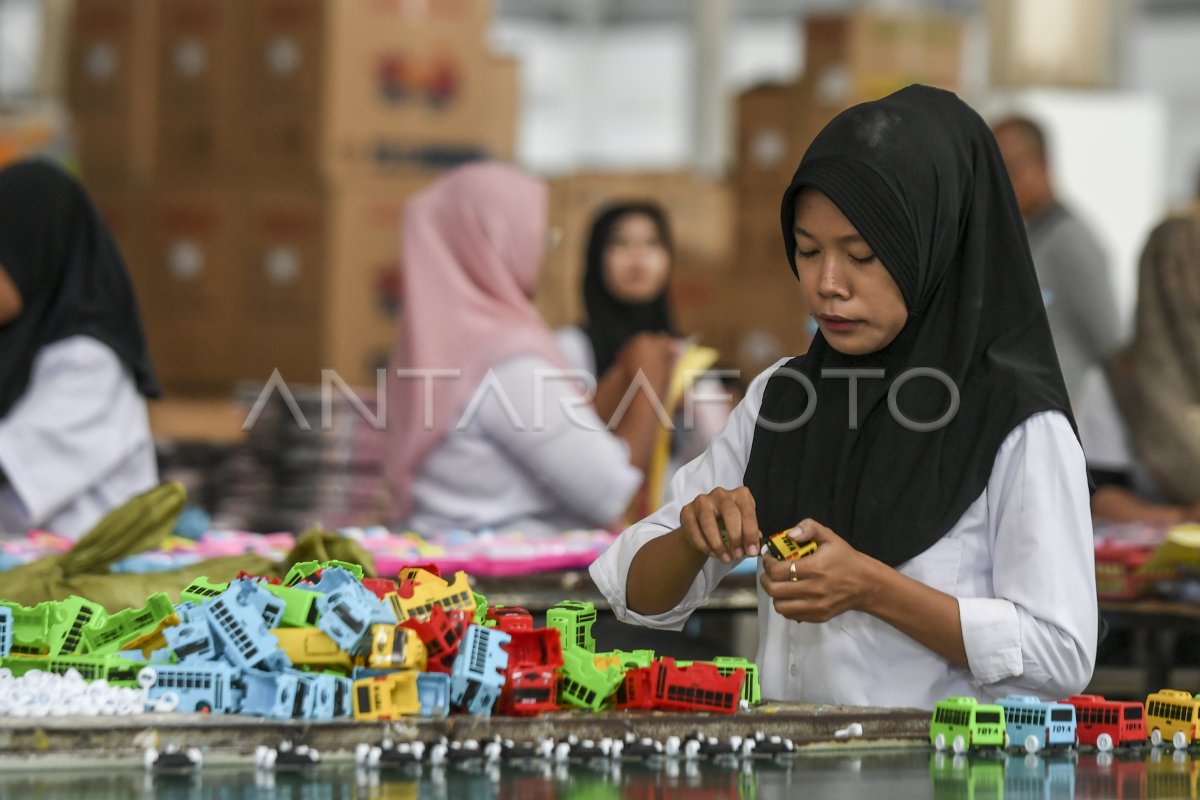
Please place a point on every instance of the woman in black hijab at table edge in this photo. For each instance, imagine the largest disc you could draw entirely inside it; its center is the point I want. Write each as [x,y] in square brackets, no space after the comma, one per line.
[74,368]
[925,442]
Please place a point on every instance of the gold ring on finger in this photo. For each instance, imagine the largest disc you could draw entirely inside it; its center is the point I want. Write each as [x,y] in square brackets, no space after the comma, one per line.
[792,569]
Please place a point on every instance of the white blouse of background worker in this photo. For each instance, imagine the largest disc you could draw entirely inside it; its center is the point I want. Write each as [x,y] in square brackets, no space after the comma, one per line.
[1020,562]
[77,444]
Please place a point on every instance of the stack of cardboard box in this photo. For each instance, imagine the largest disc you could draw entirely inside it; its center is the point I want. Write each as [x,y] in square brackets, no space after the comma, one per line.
[254,158]
[851,58]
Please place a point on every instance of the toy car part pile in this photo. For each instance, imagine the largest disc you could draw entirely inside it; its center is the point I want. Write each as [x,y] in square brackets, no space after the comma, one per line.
[327,643]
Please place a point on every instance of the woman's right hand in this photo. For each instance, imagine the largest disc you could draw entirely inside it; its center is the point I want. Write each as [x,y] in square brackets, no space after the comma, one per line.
[722,524]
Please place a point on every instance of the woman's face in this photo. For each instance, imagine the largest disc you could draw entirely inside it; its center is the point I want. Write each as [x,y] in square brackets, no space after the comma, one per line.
[851,295]
[636,261]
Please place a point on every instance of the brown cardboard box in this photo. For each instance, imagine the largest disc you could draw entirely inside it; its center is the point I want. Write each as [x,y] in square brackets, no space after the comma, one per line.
[201,46]
[1076,47]
[112,76]
[363,296]
[375,88]
[301,277]
[281,270]
[865,55]
[319,273]
[188,285]
[504,114]
[124,209]
[767,141]
[760,246]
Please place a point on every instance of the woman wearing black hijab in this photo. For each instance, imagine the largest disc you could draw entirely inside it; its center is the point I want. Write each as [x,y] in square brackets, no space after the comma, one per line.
[625,295]
[925,442]
[74,370]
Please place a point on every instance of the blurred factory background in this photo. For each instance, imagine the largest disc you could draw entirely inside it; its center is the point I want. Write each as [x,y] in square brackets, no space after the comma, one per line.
[254,156]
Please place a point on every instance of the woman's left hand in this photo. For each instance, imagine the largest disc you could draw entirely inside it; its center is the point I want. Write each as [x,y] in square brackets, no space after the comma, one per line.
[834,579]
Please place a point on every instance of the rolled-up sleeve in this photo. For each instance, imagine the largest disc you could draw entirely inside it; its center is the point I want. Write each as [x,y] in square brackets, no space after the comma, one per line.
[722,464]
[1037,633]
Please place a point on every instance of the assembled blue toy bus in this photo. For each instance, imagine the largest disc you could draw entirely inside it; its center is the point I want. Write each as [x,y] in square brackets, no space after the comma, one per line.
[1034,724]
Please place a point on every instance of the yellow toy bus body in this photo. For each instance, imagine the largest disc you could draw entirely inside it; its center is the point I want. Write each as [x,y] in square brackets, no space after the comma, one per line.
[386,697]
[396,648]
[784,548]
[454,595]
[1172,715]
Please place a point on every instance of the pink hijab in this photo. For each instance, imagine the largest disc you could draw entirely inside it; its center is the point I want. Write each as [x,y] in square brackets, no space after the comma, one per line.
[473,245]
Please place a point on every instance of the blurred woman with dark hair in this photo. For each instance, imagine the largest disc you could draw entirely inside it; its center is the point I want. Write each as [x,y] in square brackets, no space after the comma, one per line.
[74,369]
[626,297]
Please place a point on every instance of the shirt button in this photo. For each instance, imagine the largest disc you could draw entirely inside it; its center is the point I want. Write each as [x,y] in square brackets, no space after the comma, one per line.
[792,670]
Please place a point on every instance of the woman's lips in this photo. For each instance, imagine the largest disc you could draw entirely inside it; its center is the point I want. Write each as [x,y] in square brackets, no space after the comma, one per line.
[837,324]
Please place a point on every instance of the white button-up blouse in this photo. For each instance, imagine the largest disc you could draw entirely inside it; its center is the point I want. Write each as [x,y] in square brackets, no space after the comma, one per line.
[1020,562]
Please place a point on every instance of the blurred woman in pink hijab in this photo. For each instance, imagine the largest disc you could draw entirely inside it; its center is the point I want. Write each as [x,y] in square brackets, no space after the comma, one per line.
[487,426]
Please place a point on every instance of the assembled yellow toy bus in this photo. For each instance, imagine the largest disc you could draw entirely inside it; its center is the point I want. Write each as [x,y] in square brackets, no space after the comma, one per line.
[1172,714]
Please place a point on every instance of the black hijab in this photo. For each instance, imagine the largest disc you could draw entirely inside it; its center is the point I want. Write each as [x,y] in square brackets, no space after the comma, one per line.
[64,262]
[612,322]
[919,175]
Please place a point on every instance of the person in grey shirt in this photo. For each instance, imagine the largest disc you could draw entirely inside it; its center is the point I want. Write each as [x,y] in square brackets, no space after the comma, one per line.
[1071,265]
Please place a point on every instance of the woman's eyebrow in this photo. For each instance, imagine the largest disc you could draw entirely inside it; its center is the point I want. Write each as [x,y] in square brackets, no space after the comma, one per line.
[849,238]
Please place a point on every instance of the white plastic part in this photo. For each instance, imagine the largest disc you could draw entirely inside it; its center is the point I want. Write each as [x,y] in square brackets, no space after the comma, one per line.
[851,731]
[562,751]
[1104,743]
[168,701]
[1032,745]
[672,746]
[1156,739]
[692,749]
[616,748]
[959,745]
[149,757]
[195,756]
[148,677]
[1179,741]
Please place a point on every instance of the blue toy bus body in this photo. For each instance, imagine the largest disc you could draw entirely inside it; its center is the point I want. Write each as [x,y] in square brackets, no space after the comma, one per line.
[192,641]
[477,677]
[200,687]
[6,631]
[1035,724]
[433,690]
[269,694]
[238,625]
